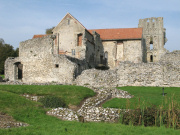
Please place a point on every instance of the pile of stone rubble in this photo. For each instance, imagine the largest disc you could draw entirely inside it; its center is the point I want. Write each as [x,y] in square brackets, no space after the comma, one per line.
[90,111]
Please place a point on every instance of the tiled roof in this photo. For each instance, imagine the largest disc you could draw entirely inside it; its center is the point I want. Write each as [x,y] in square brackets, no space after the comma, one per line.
[114,34]
[40,36]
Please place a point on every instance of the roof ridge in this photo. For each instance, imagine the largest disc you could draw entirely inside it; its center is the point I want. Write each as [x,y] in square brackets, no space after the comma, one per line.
[114,28]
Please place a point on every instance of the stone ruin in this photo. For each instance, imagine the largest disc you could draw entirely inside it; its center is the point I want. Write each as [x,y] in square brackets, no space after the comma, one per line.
[75,55]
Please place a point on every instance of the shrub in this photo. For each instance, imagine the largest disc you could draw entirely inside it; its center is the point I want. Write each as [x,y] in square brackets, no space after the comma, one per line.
[52,102]
[152,116]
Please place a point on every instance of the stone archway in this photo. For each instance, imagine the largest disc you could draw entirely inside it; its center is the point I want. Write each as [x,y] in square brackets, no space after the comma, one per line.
[18,71]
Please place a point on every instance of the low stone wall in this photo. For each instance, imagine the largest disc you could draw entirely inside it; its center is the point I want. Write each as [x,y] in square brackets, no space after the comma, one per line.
[171,56]
[64,114]
[133,74]
[99,114]
[7,121]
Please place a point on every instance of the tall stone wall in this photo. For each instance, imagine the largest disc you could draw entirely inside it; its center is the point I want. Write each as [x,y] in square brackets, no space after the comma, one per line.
[133,51]
[67,32]
[154,35]
[39,64]
[130,50]
[110,48]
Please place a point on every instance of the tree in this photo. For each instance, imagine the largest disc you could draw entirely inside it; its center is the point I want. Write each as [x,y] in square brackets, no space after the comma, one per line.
[6,51]
[49,31]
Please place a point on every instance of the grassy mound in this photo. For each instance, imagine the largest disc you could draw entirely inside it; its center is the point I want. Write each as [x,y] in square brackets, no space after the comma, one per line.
[33,114]
[70,94]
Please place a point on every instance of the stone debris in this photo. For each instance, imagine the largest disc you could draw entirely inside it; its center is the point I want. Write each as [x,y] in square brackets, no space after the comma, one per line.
[8,122]
[32,97]
[90,111]
[64,114]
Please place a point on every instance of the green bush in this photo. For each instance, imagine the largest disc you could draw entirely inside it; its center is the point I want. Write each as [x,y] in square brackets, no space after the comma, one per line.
[152,116]
[52,102]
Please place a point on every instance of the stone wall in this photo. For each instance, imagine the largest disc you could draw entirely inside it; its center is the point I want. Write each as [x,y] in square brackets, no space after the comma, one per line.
[154,35]
[39,64]
[171,56]
[10,68]
[133,51]
[67,32]
[118,51]
[110,48]
[133,74]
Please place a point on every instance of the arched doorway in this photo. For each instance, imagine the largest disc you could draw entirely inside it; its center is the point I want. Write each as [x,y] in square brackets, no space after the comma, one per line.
[18,71]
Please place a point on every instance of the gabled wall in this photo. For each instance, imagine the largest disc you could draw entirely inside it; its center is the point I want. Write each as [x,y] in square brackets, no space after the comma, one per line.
[67,32]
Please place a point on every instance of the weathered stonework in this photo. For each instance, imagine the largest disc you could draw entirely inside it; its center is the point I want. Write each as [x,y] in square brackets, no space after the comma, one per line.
[66,56]
[90,110]
[134,74]
[154,35]
[64,114]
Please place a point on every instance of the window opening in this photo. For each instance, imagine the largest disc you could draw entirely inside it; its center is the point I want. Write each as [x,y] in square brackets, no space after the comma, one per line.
[56,65]
[151,58]
[68,22]
[151,46]
[106,58]
[73,52]
[106,55]
[79,41]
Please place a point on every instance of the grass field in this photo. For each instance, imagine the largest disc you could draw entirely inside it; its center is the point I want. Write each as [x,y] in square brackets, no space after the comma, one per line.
[41,124]
[70,94]
[146,97]
[2,76]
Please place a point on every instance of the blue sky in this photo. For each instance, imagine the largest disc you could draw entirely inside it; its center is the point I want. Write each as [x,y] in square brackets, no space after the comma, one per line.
[21,19]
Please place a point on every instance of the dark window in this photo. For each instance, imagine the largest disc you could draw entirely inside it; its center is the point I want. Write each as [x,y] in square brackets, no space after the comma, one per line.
[151,58]
[106,55]
[56,65]
[68,21]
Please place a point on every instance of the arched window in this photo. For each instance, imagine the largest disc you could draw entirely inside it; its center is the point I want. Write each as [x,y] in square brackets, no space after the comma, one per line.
[106,55]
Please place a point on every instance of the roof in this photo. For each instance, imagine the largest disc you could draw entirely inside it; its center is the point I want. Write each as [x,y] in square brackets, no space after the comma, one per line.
[40,36]
[120,33]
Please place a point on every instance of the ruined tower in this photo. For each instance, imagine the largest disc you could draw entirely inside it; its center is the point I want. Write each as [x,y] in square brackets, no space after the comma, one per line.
[154,38]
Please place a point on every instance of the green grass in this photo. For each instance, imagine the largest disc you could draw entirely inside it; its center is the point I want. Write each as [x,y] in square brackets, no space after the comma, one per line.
[70,94]
[41,124]
[2,76]
[146,97]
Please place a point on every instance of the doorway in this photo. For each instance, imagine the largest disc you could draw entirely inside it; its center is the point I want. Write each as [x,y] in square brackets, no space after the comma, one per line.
[18,71]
